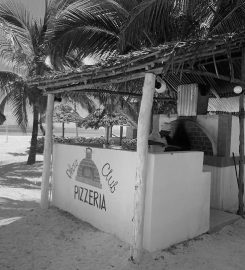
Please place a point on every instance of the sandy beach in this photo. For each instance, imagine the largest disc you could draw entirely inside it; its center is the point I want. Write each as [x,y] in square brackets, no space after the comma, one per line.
[33,239]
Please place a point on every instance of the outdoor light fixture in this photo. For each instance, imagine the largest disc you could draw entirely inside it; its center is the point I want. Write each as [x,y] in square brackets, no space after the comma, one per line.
[237,89]
[160,85]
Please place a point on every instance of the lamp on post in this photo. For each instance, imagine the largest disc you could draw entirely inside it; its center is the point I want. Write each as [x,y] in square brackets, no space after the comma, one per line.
[237,89]
[240,91]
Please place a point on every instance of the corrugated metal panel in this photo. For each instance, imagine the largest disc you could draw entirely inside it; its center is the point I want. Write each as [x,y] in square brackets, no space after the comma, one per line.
[229,105]
[187,100]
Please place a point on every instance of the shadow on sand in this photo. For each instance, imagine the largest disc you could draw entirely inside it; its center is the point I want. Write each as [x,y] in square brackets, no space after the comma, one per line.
[20,175]
[18,154]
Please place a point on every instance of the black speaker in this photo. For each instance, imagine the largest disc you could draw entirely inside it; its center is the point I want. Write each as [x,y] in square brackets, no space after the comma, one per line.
[57,98]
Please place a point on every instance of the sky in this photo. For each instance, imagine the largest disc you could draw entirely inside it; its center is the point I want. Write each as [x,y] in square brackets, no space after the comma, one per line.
[35,6]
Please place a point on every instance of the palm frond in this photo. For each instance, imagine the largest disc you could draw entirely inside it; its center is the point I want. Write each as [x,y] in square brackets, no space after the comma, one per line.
[87,102]
[3,103]
[15,21]
[158,21]
[17,100]
[8,80]
[88,26]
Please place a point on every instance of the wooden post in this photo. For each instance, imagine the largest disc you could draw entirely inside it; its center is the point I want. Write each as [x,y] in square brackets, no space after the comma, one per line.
[107,134]
[110,132]
[241,154]
[63,129]
[75,109]
[47,153]
[241,141]
[121,135]
[141,166]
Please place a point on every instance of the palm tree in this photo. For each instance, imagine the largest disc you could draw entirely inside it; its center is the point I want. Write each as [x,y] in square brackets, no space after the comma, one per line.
[24,49]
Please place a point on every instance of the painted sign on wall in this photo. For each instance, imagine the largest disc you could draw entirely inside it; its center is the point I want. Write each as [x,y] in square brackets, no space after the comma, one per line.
[88,173]
[96,185]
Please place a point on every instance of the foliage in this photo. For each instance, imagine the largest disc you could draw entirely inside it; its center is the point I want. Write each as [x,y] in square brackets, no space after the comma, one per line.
[141,23]
[96,142]
[154,22]
[129,144]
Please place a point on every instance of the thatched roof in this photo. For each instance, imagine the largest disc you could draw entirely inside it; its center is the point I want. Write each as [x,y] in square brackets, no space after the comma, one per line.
[99,119]
[215,62]
[66,114]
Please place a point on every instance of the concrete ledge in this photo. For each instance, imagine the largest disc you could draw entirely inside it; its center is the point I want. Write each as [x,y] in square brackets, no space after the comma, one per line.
[220,219]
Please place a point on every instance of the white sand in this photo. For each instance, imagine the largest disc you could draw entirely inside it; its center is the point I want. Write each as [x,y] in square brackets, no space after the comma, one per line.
[32,239]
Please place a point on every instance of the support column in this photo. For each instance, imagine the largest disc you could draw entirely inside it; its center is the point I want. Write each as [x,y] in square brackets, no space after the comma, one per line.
[141,166]
[241,154]
[47,153]
[241,141]
[121,135]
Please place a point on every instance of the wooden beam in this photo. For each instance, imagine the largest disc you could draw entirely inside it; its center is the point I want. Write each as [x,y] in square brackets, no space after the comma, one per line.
[213,75]
[141,166]
[47,153]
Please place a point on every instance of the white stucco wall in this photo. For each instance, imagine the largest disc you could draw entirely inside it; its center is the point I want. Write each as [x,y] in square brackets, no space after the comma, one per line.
[177,197]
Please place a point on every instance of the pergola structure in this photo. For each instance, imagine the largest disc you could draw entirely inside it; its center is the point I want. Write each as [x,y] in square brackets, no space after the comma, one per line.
[218,62]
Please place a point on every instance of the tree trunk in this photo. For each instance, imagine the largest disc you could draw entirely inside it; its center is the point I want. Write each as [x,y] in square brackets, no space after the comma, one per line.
[141,166]
[47,153]
[41,126]
[75,109]
[33,148]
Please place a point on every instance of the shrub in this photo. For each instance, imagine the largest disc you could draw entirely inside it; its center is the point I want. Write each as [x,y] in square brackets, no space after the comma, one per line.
[96,142]
[127,144]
